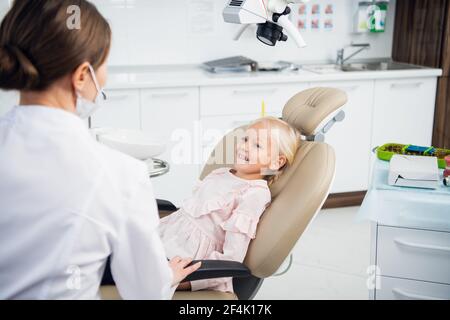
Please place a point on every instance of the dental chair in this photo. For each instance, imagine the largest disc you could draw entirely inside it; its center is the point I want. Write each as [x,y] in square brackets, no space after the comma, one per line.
[297,196]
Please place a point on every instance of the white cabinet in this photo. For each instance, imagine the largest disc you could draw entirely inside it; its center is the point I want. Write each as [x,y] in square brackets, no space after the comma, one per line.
[414,254]
[377,112]
[120,110]
[404,111]
[8,99]
[351,138]
[174,115]
[404,289]
[247,99]
[411,263]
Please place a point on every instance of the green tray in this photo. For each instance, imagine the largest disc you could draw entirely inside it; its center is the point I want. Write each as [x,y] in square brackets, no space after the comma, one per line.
[386,151]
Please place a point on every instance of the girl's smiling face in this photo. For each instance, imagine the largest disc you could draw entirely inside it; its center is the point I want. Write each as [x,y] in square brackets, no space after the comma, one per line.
[257,153]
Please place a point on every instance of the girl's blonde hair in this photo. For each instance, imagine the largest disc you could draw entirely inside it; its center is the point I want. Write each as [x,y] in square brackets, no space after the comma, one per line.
[289,139]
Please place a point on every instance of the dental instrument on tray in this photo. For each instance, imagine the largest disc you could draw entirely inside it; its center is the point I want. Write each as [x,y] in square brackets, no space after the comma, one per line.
[271,16]
[386,151]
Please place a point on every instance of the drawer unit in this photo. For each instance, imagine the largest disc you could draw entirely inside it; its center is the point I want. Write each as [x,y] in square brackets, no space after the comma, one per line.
[120,110]
[352,157]
[414,254]
[246,99]
[404,111]
[403,289]
[172,113]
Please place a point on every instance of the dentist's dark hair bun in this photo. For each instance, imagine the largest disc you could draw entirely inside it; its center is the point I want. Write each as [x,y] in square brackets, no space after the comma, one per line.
[42,41]
[17,72]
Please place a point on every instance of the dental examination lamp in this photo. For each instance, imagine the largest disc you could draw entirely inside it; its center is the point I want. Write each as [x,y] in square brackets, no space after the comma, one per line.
[271,16]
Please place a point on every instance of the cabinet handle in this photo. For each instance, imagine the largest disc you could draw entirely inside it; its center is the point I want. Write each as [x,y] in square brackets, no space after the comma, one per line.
[422,246]
[117,97]
[236,124]
[349,88]
[169,95]
[415,296]
[254,91]
[207,144]
[406,85]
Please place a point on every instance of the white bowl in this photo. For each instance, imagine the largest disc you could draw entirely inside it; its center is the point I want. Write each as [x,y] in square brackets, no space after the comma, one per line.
[138,144]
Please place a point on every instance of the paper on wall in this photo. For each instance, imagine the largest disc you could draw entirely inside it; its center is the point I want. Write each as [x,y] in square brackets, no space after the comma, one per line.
[202,17]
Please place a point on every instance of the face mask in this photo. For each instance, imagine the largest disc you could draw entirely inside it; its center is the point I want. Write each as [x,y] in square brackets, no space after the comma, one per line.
[84,107]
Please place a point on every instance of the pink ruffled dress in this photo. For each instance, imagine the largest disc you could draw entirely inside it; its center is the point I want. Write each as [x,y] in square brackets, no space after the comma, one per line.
[216,223]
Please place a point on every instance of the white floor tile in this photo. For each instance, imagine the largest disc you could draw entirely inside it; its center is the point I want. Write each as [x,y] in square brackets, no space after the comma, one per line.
[308,283]
[336,242]
[330,261]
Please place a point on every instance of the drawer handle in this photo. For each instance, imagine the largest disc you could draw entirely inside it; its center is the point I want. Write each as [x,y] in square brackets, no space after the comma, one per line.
[254,91]
[349,88]
[210,143]
[406,85]
[422,246]
[414,296]
[117,97]
[239,124]
[169,95]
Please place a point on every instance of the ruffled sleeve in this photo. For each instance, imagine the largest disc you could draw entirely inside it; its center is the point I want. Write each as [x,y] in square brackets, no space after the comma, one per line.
[197,185]
[245,217]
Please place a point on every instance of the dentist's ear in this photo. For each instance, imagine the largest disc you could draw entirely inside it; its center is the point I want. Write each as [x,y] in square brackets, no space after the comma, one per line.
[80,76]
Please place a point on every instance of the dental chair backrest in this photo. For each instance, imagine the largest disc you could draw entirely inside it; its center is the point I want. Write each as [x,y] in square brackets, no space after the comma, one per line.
[301,190]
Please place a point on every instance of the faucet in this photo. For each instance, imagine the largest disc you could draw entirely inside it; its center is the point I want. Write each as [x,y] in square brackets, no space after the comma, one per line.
[340,54]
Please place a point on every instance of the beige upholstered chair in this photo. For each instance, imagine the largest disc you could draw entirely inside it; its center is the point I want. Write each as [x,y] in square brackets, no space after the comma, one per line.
[297,196]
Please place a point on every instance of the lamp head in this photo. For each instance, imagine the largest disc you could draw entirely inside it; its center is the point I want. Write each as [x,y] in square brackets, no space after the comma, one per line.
[271,16]
[270,33]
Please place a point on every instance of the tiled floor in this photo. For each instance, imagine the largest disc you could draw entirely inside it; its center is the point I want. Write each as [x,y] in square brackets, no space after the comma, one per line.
[330,261]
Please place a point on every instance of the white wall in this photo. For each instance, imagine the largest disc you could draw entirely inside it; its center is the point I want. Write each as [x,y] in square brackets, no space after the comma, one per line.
[148,32]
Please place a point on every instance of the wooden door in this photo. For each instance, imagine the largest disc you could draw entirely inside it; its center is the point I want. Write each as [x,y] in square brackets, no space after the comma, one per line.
[422,36]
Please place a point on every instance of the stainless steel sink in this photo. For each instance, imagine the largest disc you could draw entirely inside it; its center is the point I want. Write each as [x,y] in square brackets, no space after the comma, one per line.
[359,67]
[377,66]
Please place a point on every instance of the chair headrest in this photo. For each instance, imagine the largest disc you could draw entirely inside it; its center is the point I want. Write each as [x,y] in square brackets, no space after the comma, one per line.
[309,110]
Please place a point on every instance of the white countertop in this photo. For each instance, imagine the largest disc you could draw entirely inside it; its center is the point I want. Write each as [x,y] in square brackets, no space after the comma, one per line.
[135,77]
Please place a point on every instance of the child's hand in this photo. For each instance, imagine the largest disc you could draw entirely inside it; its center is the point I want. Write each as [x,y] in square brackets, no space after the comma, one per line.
[185,286]
[179,269]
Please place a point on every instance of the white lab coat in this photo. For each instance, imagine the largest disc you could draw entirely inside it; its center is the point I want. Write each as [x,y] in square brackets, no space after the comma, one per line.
[66,204]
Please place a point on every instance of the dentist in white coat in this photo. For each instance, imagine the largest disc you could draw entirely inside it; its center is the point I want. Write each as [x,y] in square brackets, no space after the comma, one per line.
[66,202]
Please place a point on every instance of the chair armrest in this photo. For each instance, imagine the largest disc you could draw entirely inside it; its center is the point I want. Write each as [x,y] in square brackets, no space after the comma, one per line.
[218,269]
[164,205]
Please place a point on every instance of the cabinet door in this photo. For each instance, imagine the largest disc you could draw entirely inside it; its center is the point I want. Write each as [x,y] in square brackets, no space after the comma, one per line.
[8,99]
[247,99]
[174,115]
[404,111]
[406,289]
[414,254]
[120,110]
[351,138]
